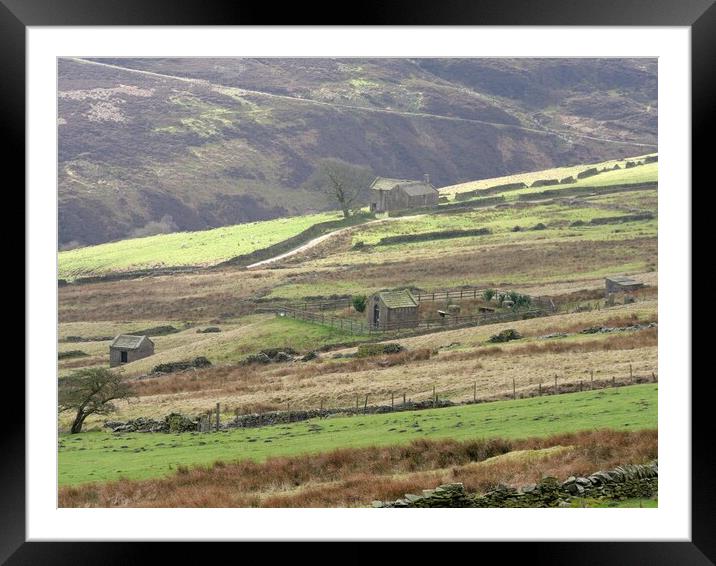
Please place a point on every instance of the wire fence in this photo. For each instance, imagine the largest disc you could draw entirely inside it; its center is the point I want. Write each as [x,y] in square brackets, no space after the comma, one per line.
[405,400]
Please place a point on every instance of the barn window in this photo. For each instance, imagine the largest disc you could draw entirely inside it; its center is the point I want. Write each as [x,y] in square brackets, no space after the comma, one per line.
[123,357]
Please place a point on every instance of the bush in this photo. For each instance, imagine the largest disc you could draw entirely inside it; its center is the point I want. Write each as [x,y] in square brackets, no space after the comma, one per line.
[369,350]
[539,226]
[487,294]
[359,245]
[179,423]
[505,336]
[208,329]
[517,228]
[567,180]
[359,302]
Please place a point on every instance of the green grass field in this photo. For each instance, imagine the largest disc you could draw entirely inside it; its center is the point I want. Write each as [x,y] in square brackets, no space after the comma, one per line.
[102,456]
[184,248]
[632,175]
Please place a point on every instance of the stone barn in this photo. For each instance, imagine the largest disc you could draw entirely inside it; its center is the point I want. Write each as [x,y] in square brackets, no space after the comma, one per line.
[399,194]
[127,348]
[392,309]
[621,284]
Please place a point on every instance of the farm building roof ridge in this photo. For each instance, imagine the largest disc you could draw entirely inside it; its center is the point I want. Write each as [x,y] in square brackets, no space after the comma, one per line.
[128,341]
[398,299]
[386,184]
[623,280]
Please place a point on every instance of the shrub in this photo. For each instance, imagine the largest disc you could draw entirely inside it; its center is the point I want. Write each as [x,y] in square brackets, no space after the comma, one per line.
[359,245]
[359,302]
[539,226]
[487,294]
[179,423]
[505,336]
[517,229]
[208,329]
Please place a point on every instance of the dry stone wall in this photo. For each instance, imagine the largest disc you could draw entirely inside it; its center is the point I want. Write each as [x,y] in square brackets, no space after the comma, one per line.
[623,482]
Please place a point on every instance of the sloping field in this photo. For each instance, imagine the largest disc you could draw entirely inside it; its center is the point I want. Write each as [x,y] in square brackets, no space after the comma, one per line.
[205,247]
[622,175]
[103,456]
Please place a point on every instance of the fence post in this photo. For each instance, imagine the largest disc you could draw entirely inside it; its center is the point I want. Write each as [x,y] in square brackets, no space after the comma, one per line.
[591,385]
[614,381]
[514,389]
[474,392]
[365,407]
[555,383]
[631,374]
[403,398]
[392,401]
[653,377]
[540,389]
[218,417]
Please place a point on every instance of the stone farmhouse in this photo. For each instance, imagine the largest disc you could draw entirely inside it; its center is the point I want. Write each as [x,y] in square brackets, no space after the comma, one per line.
[398,194]
[127,348]
[621,284]
[392,309]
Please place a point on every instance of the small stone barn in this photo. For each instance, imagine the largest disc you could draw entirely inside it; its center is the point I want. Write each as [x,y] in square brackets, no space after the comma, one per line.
[127,348]
[399,194]
[392,309]
[621,284]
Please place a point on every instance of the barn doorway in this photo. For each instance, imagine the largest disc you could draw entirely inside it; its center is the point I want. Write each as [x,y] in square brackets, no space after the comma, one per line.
[123,357]
[376,315]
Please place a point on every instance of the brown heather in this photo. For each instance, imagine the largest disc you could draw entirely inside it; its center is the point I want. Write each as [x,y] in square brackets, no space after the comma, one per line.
[356,476]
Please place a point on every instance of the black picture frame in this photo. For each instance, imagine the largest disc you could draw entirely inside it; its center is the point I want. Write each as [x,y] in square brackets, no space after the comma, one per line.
[699,15]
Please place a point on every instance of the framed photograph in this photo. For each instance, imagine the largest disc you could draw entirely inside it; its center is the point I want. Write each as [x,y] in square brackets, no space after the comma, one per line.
[391,280]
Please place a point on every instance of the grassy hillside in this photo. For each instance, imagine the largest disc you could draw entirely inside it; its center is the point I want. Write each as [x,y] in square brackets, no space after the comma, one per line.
[101,456]
[639,174]
[189,144]
[205,247]
[213,246]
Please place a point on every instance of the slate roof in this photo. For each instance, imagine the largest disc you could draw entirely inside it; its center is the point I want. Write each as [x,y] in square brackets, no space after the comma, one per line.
[417,188]
[398,299]
[385,184]
[623,280]
[128,341]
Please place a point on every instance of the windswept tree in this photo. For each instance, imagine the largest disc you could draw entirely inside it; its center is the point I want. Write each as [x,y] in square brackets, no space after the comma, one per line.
[91,392]
[346,184]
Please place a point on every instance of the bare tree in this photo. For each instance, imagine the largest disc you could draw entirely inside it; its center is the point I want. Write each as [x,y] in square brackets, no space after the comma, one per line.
[91,392]
[344,182]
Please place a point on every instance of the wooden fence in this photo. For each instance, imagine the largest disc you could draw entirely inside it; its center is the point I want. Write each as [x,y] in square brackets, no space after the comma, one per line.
[353,326]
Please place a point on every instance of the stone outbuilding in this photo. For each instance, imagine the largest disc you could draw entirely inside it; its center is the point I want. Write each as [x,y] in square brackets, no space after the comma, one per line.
[392,309]
[399,194]
[621,284]
[127,348]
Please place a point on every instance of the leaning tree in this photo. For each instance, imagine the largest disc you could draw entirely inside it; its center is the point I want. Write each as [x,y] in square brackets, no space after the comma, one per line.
[91,392]
[343,182]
